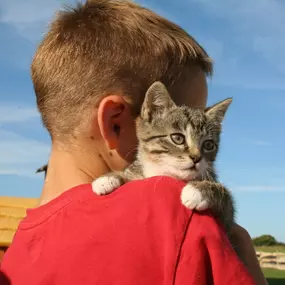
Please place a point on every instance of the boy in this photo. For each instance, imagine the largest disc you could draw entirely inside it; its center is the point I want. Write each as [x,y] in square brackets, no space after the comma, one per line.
[90,74]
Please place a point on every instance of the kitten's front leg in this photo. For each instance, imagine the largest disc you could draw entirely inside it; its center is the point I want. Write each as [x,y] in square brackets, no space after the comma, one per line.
[108,183]
[202,195]
[113,180]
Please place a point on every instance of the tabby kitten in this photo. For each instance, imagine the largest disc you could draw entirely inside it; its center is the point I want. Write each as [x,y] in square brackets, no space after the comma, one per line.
[180,142]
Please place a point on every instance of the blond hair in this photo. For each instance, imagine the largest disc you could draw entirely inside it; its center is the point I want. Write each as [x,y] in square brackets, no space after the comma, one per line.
[102,47]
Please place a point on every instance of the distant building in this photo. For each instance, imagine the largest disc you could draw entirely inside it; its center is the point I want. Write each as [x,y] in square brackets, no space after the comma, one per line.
[12,211]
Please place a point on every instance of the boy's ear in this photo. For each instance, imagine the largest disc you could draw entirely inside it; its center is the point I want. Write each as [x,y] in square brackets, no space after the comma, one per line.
[217,112]
[114,114]
[156,99]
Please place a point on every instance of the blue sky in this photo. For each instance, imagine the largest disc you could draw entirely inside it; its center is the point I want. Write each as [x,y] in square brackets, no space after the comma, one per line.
[247,42]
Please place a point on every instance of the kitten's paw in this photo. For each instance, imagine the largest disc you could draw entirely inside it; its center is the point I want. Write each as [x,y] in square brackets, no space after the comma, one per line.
[105,184]
[192,198]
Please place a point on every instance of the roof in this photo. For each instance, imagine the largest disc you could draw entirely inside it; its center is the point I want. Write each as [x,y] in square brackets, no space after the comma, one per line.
[12,211]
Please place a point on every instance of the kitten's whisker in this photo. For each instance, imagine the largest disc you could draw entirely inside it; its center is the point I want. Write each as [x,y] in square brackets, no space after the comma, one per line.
[210,174]
[204,176]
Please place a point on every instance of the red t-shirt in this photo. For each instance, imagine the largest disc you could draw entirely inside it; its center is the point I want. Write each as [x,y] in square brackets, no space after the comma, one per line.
[138,235]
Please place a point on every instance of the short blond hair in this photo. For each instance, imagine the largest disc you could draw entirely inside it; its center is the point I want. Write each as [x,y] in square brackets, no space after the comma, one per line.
[106,46]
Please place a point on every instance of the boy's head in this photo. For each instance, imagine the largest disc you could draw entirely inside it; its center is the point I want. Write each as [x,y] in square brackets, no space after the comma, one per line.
[94,65]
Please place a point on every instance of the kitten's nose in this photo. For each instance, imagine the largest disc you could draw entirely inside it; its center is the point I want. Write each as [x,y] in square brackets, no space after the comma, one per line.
[195,155]
[196,158]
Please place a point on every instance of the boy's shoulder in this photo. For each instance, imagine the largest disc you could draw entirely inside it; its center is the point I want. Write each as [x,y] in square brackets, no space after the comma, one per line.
[165,184]
[159,194]
[155,189]
[151,205]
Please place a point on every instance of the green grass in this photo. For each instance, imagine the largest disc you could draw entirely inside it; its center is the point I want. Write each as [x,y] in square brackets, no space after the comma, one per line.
[273,248]
[274,276]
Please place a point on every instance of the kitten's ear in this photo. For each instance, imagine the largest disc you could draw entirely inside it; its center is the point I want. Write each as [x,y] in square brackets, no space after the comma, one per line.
[218,111]
[156,99]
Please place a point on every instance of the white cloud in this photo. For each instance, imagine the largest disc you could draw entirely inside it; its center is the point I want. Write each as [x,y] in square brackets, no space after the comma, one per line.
[20,155]
[259,25]
[262,143]
[29,17]
[25,12]
[10,113]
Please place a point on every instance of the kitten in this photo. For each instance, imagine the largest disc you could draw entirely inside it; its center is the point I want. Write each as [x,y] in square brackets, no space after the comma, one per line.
[180,142]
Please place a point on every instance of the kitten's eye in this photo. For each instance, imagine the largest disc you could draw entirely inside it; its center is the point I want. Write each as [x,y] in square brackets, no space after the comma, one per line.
[208,145]
[178,138]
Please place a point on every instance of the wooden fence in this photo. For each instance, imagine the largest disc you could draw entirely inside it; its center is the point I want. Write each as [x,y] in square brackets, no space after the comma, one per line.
[274,260]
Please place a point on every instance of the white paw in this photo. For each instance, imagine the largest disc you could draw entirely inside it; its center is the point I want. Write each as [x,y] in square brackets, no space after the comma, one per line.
[191,197]
[105,185]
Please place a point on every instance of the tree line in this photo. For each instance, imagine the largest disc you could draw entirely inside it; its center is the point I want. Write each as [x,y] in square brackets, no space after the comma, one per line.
[266,240]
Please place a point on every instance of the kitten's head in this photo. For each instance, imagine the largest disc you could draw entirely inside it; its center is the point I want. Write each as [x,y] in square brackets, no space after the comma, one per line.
[181,142]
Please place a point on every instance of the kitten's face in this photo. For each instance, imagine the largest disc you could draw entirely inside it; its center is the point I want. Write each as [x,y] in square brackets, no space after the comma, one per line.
[181,142]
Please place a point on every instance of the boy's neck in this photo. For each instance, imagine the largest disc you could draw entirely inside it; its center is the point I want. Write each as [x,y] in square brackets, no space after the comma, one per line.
[66,170]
